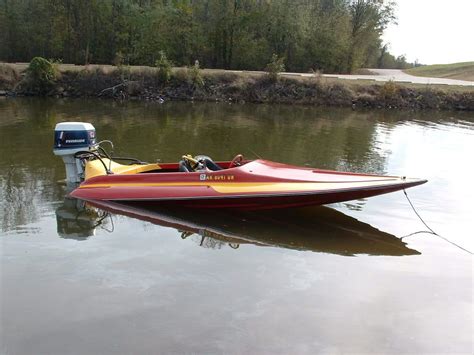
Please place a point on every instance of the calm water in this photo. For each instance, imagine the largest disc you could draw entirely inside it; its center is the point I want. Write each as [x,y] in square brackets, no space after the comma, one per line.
[79,280]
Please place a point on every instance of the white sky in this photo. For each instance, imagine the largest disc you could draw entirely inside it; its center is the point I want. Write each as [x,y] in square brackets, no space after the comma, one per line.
[433,31]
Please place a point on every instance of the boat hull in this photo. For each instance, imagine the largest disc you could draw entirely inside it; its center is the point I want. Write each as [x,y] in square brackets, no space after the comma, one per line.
[256,185]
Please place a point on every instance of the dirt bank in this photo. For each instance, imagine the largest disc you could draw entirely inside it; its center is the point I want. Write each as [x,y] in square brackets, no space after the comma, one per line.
[144,83]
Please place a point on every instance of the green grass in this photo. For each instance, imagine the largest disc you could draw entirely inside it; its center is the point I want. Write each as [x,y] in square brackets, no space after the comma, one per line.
[460,71]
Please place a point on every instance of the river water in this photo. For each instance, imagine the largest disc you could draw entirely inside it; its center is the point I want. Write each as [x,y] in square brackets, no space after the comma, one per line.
[80,280]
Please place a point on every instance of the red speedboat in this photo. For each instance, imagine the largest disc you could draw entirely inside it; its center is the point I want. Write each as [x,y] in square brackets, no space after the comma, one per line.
[201,183]
[258,184]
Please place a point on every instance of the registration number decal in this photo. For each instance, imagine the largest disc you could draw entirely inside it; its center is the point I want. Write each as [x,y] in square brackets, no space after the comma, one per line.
[205,177]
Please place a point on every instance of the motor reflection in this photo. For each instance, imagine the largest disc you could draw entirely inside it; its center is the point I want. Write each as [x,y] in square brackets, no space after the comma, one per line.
[317,229]
[77,220]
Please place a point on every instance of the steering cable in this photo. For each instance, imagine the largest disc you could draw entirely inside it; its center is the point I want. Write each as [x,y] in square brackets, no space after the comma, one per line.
[83,153]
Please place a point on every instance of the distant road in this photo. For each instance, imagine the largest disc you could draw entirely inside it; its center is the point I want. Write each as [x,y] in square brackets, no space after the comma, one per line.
[397,76]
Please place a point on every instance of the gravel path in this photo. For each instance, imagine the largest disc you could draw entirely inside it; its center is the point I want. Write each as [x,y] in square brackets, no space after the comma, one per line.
[399,76]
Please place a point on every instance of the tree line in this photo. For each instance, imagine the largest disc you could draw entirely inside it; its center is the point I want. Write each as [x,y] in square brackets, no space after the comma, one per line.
[326,35]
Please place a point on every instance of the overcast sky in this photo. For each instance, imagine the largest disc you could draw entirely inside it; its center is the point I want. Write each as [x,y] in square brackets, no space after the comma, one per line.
[433,31]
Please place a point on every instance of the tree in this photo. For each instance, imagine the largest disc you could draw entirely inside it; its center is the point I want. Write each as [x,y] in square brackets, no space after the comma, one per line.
[328,35]
[369,18]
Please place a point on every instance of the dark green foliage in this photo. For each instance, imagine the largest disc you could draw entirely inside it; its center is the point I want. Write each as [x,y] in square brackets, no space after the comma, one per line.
[164,68]
[40,75]
[325,35]
[275,67]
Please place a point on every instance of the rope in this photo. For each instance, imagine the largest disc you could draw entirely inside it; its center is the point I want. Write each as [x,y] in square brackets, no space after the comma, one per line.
[430,231]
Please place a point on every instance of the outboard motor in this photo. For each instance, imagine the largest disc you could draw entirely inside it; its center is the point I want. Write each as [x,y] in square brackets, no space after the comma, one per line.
[70,138]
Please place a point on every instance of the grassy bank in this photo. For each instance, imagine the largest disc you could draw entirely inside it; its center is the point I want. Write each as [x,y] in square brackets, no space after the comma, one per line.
[144,83]
[459,71]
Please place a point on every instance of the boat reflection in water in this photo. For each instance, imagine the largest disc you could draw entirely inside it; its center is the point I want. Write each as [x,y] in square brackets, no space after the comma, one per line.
[75,220]
[318,229]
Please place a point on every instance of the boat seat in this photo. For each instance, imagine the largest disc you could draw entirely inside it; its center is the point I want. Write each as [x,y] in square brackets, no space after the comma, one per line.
[184,167]
[204,163]
[208,163]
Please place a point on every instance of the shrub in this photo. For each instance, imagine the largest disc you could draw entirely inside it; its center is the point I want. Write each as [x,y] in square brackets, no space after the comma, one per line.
[194,73]
[9,76]
[41,75]
[164,66]
[389,90]
[316,75]
[275,67]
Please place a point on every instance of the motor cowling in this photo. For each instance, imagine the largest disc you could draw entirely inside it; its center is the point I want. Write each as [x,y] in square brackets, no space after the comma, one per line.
[70,138]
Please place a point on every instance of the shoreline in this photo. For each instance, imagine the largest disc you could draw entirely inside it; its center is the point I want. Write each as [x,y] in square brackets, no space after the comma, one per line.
[143,83]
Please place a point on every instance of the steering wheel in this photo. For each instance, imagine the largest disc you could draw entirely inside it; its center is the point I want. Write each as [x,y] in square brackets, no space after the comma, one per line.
[237,161]
[192,162]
